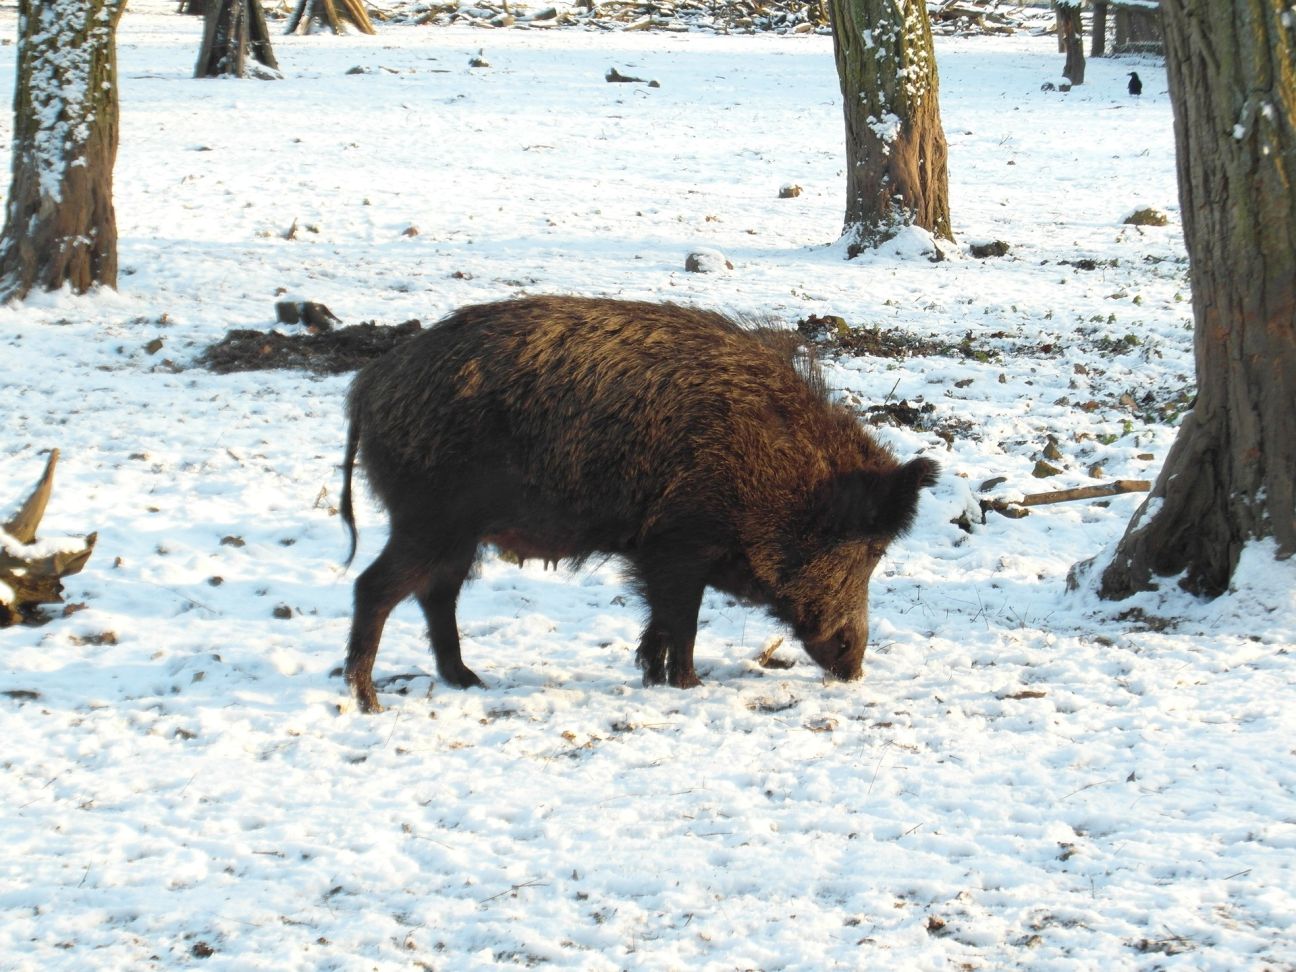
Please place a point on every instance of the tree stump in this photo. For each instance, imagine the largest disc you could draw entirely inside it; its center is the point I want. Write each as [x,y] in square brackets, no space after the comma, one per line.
[31,572]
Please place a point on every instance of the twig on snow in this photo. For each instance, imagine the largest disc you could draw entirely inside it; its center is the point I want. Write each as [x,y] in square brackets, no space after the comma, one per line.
[516,888]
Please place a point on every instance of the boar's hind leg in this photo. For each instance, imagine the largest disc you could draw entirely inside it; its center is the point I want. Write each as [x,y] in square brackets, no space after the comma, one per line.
[651,656]
[384,584]
[666,650]
[438,603]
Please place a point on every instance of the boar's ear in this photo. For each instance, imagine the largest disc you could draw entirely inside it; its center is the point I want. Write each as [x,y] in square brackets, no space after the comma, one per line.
[872,503]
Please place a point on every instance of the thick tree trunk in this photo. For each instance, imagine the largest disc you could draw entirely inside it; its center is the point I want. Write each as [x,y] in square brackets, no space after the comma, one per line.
[60,227]
[895,146]
[1231,474]
[232,30]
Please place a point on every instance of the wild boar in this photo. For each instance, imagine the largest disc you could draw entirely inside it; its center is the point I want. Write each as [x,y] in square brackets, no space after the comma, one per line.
[698,449]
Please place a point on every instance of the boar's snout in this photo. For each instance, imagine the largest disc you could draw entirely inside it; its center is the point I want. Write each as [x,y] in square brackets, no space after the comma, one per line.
[842,654]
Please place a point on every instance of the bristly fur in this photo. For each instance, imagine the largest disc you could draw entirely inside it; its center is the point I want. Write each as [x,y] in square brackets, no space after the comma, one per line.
[700,448]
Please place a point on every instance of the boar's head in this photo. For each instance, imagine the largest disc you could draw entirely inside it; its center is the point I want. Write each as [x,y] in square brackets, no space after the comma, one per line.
[825,590]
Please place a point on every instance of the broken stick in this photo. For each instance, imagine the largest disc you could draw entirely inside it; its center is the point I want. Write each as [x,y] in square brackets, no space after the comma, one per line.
[1013,509]
[1086,492]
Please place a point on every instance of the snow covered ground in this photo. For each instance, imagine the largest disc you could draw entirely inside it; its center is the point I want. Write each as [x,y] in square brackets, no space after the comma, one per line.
[1026,778]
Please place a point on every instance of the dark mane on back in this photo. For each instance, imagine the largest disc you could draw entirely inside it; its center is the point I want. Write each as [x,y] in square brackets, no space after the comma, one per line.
[791,347]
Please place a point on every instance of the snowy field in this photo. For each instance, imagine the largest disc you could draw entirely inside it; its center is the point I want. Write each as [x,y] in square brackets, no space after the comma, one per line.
[1026,778]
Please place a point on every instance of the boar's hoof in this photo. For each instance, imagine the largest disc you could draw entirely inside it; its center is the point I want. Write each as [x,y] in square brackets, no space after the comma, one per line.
[847,674]
[366,699]
[653,665]
[685,680]
[463,678]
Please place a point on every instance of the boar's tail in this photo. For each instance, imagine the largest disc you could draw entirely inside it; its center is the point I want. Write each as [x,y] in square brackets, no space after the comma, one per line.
[348,465]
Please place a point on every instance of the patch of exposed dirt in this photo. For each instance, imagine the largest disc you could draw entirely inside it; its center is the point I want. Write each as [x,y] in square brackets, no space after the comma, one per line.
[835,335]
[329,353]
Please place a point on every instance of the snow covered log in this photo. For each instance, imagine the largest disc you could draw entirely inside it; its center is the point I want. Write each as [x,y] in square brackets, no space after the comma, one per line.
[31,571]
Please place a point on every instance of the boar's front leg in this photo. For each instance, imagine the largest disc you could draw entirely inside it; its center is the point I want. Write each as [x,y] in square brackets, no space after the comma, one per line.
[674,597]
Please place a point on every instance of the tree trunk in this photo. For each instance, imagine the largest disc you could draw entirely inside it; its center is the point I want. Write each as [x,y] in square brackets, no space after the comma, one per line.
[1229,478]
[310,12]
[1071,40]
[60,227]
[232,30]
[895,146]
[1098,46]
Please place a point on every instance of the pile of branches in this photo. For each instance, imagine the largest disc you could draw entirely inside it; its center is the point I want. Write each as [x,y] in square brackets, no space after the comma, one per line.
[982,17]
[717,16]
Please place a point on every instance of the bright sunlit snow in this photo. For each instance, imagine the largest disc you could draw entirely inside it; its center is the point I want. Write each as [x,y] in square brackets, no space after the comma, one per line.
[1026,778]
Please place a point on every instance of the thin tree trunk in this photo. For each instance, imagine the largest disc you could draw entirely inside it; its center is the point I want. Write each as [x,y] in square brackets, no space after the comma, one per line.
[60,227]
[1071,40]
[1231,475]
[896,173]
[1098,45]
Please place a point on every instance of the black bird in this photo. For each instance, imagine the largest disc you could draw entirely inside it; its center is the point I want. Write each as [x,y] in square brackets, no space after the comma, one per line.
[1135,85]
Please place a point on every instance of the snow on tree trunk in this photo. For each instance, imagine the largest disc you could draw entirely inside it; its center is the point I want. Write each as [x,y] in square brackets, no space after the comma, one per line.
[1231,475]
[59,223]
[895,146]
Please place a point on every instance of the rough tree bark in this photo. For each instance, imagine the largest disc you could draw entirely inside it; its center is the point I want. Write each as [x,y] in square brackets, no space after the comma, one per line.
[896,155]
[1231,475]
[233,29]
[60,227]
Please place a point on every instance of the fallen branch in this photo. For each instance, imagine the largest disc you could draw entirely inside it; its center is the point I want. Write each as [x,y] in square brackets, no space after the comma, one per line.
[1013,509]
